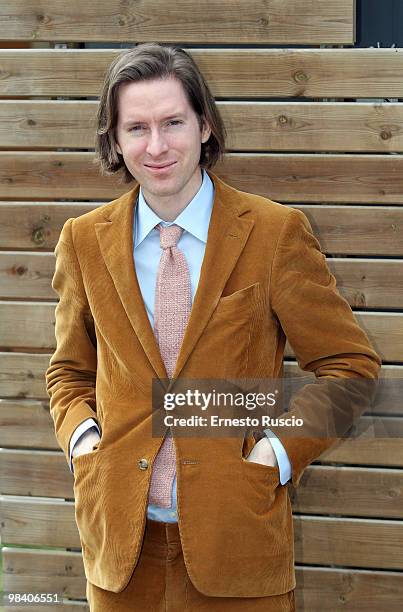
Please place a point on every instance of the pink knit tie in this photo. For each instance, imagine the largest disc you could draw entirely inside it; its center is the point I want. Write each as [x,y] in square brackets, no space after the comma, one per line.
[173,302]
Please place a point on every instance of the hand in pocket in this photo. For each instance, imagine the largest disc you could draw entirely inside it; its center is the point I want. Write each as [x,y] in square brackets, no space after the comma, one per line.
[263,453]
[86,442]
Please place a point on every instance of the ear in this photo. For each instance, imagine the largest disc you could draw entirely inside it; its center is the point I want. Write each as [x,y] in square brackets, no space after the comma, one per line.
[206,131]
[118,149]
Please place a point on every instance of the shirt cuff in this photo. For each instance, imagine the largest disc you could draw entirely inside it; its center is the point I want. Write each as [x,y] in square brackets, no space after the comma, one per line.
[281,456]
[78,432]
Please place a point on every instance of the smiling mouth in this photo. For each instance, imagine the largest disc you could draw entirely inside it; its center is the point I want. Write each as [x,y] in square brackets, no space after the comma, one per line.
[160,167]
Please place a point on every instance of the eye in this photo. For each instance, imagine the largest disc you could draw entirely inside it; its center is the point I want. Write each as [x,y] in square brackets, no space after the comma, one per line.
[175,122]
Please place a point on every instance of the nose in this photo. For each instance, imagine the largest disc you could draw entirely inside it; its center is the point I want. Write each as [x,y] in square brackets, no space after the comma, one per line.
[156,144]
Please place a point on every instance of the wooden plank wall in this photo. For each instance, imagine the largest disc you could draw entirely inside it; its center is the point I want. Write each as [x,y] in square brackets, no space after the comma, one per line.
[313,123]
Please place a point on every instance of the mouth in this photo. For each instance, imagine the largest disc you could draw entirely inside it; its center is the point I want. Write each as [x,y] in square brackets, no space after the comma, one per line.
[160,169]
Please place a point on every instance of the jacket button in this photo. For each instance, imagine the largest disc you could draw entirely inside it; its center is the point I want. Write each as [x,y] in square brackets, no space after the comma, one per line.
[143,464]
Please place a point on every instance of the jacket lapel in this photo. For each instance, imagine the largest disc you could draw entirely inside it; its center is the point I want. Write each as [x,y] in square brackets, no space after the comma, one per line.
[227,236]
[115,238]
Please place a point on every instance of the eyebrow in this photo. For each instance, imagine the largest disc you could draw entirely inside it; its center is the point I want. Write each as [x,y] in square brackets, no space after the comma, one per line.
[134,121]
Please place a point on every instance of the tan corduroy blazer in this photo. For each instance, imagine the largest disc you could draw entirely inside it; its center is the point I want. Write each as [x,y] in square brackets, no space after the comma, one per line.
[263,279]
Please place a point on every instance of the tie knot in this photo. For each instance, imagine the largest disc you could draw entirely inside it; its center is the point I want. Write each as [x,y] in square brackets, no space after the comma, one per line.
[169,235]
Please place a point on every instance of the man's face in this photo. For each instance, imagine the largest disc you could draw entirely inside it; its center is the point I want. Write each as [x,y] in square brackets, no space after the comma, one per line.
[159,136]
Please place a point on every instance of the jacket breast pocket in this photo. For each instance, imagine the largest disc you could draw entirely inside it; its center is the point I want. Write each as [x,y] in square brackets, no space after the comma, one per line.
[241,302]
[226,340]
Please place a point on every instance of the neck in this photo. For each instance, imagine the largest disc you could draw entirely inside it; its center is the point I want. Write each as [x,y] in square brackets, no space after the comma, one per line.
[168,208]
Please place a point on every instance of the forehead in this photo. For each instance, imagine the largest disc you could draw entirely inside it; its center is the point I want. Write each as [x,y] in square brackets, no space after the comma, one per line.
[156,98]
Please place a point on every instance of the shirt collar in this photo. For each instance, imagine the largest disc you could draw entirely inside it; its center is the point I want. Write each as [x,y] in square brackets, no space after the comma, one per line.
[195,218]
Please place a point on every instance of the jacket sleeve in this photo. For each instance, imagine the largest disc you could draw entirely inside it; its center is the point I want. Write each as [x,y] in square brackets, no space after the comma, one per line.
[71,375]
[327,340]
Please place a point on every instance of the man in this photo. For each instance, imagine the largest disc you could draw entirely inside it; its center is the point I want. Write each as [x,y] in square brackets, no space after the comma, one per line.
[185,277]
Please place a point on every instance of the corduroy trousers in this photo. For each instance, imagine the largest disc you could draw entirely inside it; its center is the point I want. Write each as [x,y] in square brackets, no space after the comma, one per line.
[160,583]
